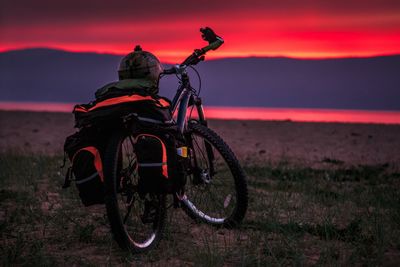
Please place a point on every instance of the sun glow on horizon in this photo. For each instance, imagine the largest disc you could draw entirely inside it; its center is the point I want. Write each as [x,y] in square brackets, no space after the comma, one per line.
[179,55]
[253,28]
[247,113]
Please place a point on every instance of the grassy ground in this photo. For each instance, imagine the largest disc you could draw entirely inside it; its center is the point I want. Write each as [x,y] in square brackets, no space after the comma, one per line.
[339,216]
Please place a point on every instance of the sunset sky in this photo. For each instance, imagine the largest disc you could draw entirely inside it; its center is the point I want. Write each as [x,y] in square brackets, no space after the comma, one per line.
[170,29]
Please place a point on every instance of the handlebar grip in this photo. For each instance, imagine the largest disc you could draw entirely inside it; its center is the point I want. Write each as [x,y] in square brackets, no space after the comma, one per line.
[214,45]
[208,35]
[215,42]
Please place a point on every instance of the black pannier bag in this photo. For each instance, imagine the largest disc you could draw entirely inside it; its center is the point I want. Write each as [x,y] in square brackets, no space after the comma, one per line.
[145,107]
[88,171]
[161,168]
[84,149]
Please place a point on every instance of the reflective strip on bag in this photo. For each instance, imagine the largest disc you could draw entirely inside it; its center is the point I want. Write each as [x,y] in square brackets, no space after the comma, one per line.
[91,177]
[97,159]
[164,154]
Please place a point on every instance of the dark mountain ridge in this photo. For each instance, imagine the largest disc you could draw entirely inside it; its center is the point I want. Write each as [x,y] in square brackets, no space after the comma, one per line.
[343,83]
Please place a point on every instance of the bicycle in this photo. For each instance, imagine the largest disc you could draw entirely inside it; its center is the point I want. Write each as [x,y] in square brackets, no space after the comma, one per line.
[216,188]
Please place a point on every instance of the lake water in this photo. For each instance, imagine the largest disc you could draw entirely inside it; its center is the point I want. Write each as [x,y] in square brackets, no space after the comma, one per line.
[249,113]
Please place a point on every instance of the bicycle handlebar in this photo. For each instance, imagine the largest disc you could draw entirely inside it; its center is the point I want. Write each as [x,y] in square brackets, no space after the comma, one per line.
[214,45]
[214,41]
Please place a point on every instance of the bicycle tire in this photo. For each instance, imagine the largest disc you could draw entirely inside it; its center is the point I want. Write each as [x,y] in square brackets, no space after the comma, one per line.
[128,237]
[192,206]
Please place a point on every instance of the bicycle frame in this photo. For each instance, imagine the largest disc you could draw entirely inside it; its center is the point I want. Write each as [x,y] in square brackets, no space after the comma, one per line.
[180,104]
[181,100]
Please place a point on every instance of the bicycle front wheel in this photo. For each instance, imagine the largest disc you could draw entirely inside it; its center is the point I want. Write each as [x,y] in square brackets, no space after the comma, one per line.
[216,191]
[137,219]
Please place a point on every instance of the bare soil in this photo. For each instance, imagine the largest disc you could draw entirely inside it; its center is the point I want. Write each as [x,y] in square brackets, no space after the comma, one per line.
[322,194]
[311,144]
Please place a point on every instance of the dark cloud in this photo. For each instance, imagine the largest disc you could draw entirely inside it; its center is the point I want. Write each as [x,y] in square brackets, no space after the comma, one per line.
[36,12]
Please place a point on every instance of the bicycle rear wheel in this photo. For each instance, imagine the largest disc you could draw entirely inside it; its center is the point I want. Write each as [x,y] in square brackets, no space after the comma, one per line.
[216,191]
[137,220]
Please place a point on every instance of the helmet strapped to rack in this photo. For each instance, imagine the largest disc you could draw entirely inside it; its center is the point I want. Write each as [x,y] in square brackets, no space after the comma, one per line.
[140,64]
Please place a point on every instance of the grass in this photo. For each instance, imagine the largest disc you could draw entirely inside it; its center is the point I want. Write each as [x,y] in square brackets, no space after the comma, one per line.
[341,215]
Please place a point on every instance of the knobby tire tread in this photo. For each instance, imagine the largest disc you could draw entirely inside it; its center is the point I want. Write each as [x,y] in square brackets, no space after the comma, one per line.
[239,176]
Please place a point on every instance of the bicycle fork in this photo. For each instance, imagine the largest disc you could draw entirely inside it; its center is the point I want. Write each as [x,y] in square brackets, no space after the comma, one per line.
[203,175]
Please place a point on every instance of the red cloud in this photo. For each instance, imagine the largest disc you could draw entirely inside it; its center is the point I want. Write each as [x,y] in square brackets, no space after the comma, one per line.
[170,28]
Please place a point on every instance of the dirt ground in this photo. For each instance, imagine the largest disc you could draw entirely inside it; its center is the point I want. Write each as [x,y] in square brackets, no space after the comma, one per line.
[337,205]
[311,144]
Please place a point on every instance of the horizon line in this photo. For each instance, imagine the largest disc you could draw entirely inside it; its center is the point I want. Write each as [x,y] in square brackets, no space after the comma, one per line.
[214,57]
